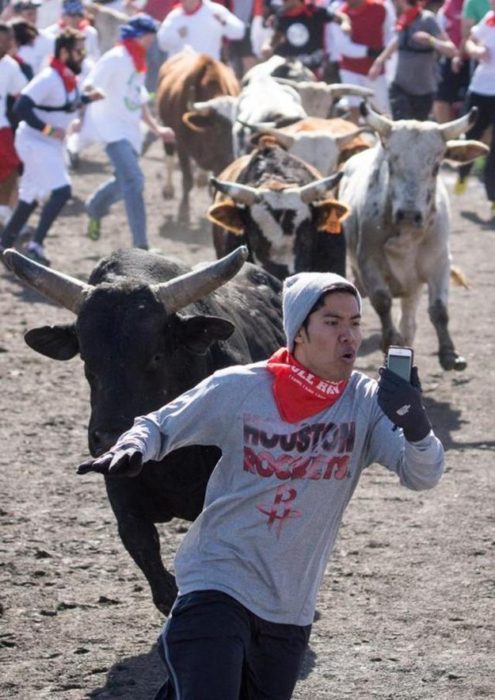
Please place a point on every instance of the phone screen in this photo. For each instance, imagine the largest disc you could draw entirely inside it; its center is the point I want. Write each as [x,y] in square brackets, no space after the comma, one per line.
[401,365]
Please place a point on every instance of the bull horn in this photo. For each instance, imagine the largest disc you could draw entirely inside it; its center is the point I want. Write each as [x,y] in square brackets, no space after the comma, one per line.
[343,139]
[378,122]
[457,127]
[317,189]
[342,89]
[67,291]
[201,108]
[194,285]
[283,139]
[239,193]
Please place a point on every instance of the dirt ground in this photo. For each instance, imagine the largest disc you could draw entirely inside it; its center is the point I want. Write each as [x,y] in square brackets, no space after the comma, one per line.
[406,609]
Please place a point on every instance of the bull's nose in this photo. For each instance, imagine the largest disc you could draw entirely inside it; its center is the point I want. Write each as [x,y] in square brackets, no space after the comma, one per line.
[100,441]
[409,216]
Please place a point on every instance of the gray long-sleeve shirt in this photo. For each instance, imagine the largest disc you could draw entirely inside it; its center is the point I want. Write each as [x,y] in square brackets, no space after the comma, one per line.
[275,500]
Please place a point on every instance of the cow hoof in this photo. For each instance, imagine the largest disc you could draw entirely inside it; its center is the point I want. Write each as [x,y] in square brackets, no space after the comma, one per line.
[451,360]
[168,192]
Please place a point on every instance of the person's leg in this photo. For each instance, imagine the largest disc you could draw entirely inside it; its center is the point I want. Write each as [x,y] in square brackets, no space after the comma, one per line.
[203,645]
[421,106]
[50,211]
[19,218]
[130,178]
[274,660]
[400,105]
[489,173]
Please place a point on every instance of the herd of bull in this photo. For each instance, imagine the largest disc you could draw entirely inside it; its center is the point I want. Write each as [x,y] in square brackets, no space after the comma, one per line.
[148,329]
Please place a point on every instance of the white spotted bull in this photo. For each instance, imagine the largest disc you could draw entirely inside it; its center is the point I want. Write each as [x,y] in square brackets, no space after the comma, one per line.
[398,231]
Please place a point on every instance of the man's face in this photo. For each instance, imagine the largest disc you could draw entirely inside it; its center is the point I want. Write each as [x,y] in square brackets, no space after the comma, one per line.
[328,346]
[75,57]
[30,14]
[5,43]
[73,20]
[190,5]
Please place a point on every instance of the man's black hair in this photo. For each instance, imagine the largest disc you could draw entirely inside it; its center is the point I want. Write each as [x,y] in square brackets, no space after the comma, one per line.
[67,40]
[321,302]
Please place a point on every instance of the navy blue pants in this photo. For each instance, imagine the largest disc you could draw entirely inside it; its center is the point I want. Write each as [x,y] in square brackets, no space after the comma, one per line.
[216,649]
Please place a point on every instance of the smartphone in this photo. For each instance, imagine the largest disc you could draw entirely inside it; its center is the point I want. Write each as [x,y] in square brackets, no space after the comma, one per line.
[400,361]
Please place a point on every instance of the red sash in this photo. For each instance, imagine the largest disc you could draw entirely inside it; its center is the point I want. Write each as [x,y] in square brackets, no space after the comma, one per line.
[137,53]
[490,19]
[408,17]
[68,77]
[298,393]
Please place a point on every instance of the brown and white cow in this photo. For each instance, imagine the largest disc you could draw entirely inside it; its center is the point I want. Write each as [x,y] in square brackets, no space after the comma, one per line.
[185,78]
[283,209]
[398,230]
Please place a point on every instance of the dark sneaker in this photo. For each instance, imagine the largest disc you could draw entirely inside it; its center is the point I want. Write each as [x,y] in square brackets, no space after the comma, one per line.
[36,253]
[94,229]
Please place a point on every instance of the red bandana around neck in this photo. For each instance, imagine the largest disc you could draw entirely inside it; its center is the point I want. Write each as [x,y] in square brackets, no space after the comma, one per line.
[68,77]
[83,23]
[298,393]
[490,19]
[407,17]
[137,53]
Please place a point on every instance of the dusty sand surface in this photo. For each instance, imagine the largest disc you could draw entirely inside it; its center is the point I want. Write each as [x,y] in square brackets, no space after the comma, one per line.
[406,609]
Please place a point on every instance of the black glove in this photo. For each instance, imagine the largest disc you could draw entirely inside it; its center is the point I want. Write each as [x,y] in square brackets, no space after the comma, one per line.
[126,461]
[401,402]
[373,53]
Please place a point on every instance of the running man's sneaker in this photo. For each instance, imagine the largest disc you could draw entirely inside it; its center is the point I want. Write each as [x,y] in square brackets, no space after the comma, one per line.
[94,229]
[36,252]
[460,186]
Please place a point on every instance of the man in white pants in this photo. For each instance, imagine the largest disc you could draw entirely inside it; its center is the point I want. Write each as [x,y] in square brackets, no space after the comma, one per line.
[45,107]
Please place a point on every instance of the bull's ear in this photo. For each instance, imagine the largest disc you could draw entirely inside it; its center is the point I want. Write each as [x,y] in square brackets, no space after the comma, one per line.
[329,215]
[465,151]
[227,214]
[199,332]
[57,342]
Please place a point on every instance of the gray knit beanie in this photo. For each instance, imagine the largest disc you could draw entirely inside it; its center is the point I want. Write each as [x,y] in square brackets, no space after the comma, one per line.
[300,294]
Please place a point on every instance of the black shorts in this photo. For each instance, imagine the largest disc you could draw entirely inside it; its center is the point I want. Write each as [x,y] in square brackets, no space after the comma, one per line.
[242,47]
[452,87]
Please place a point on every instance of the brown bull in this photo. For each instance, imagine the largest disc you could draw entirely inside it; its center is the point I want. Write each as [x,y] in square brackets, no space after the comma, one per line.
[186,78]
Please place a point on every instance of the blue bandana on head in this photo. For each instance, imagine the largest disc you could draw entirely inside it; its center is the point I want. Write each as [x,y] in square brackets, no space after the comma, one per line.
[73,7]
[138,26]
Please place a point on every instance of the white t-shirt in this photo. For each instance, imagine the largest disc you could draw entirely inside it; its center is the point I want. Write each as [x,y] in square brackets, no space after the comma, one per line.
[203,31]
[12,81]
[47,89]
[118,115]
[37,53]
[483,80]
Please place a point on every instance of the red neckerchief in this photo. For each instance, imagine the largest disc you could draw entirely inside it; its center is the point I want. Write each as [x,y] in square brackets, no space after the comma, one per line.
[490,20]
[298,393]
[297,11]
[407,17]
[136,52]
[81,26]
[68,77]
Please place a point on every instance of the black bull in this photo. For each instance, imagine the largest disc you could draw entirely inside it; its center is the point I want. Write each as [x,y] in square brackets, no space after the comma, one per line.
[138,354]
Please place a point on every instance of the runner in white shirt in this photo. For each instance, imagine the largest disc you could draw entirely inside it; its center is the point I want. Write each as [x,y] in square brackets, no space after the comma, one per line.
[201,25]
[115,122]
[45,107]
[11,83]
[73,15]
